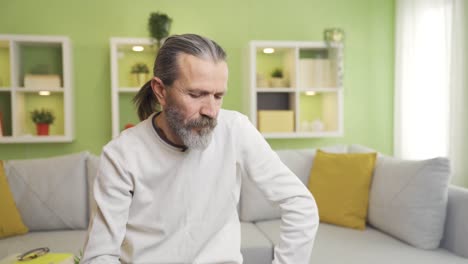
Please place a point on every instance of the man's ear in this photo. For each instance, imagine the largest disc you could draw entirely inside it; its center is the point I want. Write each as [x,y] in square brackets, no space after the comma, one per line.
[159,91]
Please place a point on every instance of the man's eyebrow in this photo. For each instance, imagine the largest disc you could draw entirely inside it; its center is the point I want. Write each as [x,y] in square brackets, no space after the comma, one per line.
[200,91]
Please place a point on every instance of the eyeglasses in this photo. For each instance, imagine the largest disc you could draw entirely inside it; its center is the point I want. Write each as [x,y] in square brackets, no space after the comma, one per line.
[33,253]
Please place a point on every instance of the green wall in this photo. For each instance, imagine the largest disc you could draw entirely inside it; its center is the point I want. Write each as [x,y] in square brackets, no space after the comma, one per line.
[368,55]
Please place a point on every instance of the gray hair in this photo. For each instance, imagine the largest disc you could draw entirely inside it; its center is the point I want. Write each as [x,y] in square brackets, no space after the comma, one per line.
[167,69]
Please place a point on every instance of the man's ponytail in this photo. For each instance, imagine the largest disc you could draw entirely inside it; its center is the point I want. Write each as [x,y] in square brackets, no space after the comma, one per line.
[145,101]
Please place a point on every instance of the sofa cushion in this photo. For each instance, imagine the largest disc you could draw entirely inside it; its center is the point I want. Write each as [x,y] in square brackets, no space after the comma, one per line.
[69,241]
[337,245]
[254,206]
[255,247]
[408,199]
[340,184]
[456,230]
[356,148]
[398,193]
[10,223]
[49,193]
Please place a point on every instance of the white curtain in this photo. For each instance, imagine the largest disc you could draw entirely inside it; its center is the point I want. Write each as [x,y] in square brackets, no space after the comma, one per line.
[429,85]
[458,142]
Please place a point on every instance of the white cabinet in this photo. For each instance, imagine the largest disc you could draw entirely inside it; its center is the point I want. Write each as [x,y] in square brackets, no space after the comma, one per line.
[128,57]
[307,99]
[35,73]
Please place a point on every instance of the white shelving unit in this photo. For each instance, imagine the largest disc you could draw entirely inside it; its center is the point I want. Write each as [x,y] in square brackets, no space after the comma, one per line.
[124,85]
[21,55]
[308,102]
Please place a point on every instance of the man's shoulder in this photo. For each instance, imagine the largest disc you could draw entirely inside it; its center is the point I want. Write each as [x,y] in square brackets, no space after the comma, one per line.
[130,137]
[229,116]
[232,122]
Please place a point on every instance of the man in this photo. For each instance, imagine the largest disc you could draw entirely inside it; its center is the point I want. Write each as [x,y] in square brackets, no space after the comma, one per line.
[167,189]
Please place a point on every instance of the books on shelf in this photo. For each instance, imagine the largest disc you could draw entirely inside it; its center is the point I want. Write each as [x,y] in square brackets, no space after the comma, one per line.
[315,73]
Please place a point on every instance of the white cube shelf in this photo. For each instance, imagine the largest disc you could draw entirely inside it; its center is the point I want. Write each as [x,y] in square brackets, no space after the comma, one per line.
[35,73]
[310,87]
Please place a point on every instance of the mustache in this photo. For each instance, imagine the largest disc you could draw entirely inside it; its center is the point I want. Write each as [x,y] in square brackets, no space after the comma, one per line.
[202,122]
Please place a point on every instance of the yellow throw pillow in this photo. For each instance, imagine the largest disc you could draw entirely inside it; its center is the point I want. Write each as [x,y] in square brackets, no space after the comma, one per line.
[340,184]
[10,223]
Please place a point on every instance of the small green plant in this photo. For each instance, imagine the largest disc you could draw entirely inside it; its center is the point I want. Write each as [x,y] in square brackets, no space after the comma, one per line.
[140,68]
[42,116]
[277,73]
[159,25]
[77,259]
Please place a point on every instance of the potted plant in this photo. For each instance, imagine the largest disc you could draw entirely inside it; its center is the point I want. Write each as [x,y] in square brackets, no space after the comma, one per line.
[277,79]
[159,25]
[140,70]
[42,118]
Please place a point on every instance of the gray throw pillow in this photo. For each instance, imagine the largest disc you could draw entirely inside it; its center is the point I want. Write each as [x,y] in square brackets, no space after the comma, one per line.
[50,193]
[408,199]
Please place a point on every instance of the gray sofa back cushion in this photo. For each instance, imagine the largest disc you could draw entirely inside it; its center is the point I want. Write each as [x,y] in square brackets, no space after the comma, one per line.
[456,227]
[408,199]
[255,207]
[49,193]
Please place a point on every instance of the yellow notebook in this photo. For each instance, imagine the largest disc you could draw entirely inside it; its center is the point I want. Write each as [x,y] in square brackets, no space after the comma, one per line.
[49,258]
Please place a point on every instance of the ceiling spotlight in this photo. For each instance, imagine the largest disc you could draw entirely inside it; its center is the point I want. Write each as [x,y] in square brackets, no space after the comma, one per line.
[138,48]
[310,93]
[44,93]
[268,50]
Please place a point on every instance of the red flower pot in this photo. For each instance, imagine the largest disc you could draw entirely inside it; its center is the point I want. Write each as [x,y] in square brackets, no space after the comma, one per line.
[42,129]
[129,125]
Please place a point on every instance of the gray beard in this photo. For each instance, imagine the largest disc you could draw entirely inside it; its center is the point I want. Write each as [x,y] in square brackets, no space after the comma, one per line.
[192,139]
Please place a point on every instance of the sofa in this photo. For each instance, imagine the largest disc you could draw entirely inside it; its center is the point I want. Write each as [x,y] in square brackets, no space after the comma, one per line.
[53,197]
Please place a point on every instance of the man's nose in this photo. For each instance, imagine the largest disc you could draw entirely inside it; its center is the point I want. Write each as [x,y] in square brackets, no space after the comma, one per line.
[209,107]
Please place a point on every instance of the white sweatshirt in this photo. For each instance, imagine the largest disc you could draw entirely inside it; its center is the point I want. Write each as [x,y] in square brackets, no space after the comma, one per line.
[159,204]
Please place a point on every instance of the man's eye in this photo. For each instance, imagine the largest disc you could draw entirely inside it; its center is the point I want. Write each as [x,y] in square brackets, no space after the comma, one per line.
[219,97]
[193,95]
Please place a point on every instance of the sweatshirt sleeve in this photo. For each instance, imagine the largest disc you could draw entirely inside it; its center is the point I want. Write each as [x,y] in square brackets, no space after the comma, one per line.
[107,226]
[299,214]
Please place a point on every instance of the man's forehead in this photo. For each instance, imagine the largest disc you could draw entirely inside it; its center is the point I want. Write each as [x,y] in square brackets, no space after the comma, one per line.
[184,59]
[194,71]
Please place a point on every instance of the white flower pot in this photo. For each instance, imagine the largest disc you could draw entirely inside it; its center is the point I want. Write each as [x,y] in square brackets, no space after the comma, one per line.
[278,82]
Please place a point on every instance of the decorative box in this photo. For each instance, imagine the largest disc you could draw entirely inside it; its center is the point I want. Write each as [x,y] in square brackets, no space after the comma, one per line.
[271,121]
[36,81]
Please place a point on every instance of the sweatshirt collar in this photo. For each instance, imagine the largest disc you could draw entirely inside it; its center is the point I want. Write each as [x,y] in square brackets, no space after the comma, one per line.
[161,135]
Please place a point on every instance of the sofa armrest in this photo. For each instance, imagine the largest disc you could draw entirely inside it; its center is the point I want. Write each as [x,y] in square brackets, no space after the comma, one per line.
[456,227]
